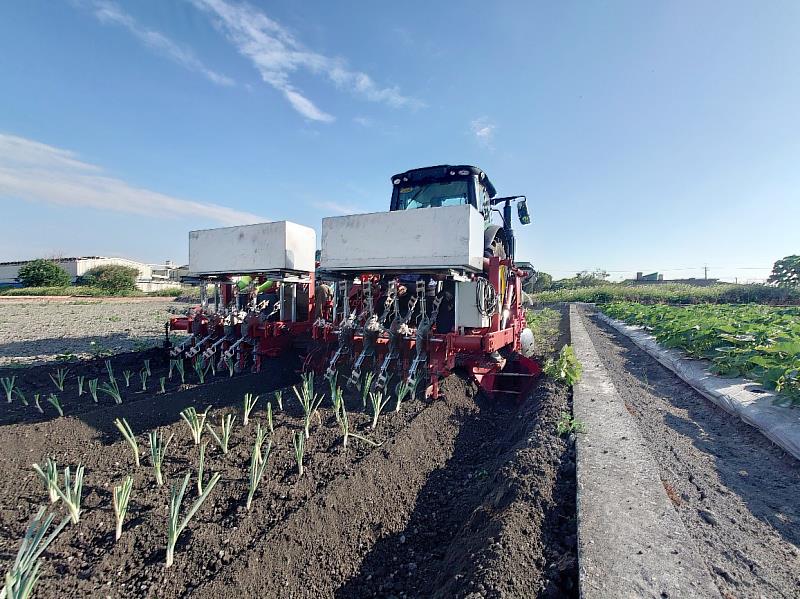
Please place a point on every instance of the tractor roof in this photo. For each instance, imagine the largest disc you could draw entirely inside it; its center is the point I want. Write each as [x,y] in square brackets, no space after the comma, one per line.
[443,171]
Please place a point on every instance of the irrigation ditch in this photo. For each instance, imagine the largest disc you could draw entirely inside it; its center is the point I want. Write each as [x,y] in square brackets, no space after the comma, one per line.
[463,497]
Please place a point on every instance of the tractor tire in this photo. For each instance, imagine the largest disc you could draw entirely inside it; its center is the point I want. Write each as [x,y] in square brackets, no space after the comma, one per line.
[496,249]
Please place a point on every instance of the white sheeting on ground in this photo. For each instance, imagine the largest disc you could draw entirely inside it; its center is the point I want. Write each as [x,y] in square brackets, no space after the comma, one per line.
[738,396]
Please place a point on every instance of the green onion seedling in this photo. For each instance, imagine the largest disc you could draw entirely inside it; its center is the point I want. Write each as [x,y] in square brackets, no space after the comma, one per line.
[92,384]
[365,388]
[378,403]
[249,403]
[229,363]
[36,397]
[299,441]
[200,369]
[279,399]
[8,386]
[308,400]
[127,433]
[71,493]
[333,386]
[49,476]
[174,525]
[59,378]
[402,391]
[53,400]
[260,436]
[269,417]
[81,381]
[147,367]
[143,378]
[337,399]
[127,375]
[344,424]
[258,463]
[21,579]
[18,392]
[121,497]
[112,389]
[110,371]
[162,381]
[158,449]
[226,425]
[179,366]
[201,465]
[195,421]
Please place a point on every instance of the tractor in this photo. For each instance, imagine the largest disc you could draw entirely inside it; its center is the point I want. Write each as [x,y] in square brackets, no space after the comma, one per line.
[426,288]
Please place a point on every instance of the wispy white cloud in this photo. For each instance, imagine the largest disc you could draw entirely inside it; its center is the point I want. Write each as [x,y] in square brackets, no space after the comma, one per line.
[337,207]
[306,107]
[109,12]
[277,55]
[483,130]
[33,171]
[364,121]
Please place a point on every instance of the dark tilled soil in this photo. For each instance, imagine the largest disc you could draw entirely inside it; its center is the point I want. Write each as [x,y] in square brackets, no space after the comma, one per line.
[496,519]
[86,560]
[463,496]
[33,380]
[735,491]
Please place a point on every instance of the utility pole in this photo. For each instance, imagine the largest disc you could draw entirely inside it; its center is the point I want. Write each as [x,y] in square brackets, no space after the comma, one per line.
[705,272]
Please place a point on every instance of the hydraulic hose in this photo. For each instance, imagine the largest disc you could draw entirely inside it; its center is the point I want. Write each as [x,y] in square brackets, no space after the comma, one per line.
[486,297]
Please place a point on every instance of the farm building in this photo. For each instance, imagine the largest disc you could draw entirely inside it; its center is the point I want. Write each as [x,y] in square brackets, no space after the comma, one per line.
[658,278]
[151,277]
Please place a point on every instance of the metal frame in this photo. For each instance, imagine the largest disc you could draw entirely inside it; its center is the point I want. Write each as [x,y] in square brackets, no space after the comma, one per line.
[226,332]
[343,341]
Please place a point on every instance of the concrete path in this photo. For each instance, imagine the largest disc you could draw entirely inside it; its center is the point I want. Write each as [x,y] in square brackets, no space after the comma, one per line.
[631,541]
[738,396]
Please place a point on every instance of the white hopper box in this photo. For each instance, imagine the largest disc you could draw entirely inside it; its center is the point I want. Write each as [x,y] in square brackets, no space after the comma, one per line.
[281,246]
[449,237]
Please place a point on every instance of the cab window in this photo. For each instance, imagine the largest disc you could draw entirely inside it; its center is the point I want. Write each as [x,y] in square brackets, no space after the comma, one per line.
[433,195]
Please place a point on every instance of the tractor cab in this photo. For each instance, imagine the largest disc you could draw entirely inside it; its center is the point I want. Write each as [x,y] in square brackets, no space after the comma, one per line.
[446,185]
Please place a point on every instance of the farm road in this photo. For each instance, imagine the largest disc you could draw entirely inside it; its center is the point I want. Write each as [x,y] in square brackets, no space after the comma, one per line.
[734,490]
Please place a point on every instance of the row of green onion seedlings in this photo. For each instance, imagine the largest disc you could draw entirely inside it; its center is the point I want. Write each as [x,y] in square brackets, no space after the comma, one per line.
[93,386]
[23,575]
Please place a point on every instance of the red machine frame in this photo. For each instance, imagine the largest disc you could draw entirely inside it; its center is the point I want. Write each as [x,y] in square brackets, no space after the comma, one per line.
[471,349]
[255,338]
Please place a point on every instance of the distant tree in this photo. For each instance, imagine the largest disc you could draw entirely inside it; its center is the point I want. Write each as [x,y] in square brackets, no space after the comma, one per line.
[593,277]
[786,272]
[43,273]
[585,278]
[540,281]
[112,278]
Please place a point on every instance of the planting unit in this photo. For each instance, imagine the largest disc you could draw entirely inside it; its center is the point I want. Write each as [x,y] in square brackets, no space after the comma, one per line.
[262,278]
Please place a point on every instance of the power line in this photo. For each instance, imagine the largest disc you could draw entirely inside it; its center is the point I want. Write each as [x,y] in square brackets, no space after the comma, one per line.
[639,268]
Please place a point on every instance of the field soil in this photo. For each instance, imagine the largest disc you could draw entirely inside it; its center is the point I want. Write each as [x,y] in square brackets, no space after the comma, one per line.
[735,491]
[463,497]
[42,330]
[41,380]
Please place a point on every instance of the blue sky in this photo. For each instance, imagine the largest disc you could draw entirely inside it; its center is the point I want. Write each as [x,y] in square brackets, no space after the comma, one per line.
[647,136]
